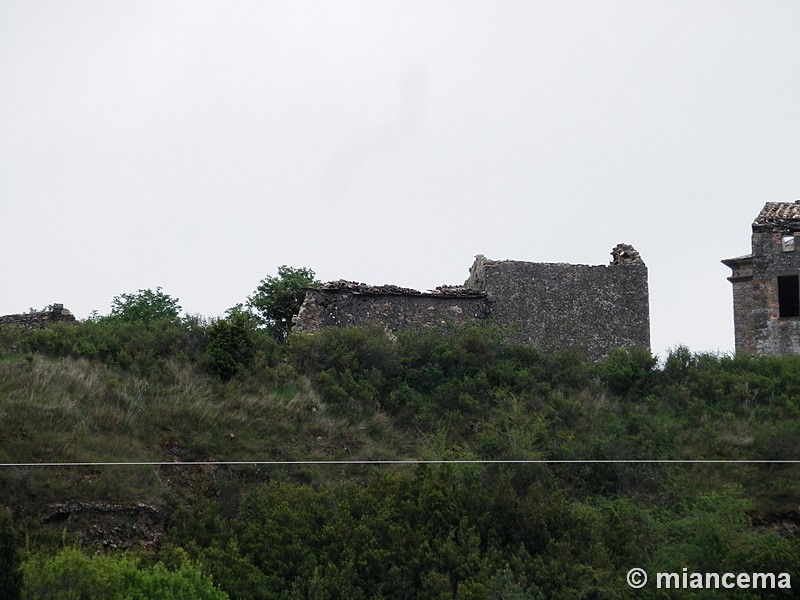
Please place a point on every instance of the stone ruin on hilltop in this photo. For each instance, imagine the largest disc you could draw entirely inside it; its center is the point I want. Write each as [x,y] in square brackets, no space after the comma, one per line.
[35,319]
[553,305]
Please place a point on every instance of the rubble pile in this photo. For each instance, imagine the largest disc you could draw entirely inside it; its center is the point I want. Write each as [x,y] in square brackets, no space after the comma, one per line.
[457,290]
[625,254]
[355,287]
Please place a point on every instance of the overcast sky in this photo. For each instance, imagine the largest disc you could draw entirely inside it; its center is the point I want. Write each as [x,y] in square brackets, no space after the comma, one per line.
[198,145]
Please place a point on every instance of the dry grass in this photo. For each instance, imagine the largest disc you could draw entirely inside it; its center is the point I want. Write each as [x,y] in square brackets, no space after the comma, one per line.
[66,410]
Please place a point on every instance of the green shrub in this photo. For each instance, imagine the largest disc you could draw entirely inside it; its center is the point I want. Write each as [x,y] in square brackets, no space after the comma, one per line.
[234,343]
[136,345]
[629,373]
[72,575]
[10,573]
[353,367]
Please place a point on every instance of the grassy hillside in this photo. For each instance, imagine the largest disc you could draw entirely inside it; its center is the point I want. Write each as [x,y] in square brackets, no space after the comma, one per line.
[175,390]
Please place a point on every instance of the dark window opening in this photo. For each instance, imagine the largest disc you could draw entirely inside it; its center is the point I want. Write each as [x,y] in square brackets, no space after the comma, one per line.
[788,296]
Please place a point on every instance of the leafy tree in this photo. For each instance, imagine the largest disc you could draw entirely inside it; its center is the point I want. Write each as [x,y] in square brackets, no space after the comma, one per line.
[234,573]
[145,306]
[232,343]
[10,574]
[277,299]
[72,575]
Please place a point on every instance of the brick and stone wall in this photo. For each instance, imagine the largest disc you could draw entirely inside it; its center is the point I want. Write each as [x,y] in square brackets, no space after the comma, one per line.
[759,328]
[757,323]
[743,306]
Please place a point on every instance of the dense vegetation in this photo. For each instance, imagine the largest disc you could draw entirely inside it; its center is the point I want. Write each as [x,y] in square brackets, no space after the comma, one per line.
[145,384]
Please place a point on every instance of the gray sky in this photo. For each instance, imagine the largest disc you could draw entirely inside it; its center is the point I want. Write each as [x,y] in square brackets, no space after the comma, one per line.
[198,145]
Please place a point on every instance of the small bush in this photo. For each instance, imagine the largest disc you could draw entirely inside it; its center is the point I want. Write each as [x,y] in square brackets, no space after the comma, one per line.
[234,343]
[137,345]
[352,367]
[629,373]
[10,573]
[72,575]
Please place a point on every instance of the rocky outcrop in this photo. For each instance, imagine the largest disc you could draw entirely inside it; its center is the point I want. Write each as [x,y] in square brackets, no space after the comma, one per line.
[123,526]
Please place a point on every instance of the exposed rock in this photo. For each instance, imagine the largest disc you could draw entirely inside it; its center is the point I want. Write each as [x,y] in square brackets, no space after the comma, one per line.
[123,526]
[783,521]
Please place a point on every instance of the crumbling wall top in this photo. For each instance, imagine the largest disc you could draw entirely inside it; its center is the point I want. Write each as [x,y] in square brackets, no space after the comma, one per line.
[355,287]
[625,254]
[621,254]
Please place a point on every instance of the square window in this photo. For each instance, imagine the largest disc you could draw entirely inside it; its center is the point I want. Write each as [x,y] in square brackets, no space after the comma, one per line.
[787,243]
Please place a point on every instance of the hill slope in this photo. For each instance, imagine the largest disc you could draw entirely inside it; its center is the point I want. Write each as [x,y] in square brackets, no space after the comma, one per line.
[155,393]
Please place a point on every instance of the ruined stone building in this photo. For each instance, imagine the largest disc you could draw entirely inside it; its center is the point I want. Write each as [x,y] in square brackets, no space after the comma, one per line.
[552,305]
[766,286]
[36,319]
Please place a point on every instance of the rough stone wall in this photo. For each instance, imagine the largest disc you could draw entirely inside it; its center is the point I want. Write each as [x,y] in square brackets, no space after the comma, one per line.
[347,303]
[757,318]
[557,305]
[743,303]
[35,320]
[552,305]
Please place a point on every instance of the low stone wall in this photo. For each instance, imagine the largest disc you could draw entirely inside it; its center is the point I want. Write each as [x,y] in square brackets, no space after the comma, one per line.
[343,303]
[33,320]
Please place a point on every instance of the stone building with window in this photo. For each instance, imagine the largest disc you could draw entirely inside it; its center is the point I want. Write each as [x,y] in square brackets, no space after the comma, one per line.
[766,284]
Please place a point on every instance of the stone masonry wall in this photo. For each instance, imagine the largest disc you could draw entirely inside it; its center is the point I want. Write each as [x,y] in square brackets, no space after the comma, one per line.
[775,252]
[551,305]
[347,303]
[38,319]
[556,305]
[765,331]
[743,306]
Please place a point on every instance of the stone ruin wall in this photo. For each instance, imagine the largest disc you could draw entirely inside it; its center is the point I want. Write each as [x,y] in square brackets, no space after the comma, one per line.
[596,308]
[342,303]
[551,305]
[36,319]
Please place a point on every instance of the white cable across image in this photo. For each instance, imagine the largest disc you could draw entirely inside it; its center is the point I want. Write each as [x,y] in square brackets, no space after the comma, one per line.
[393,462]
